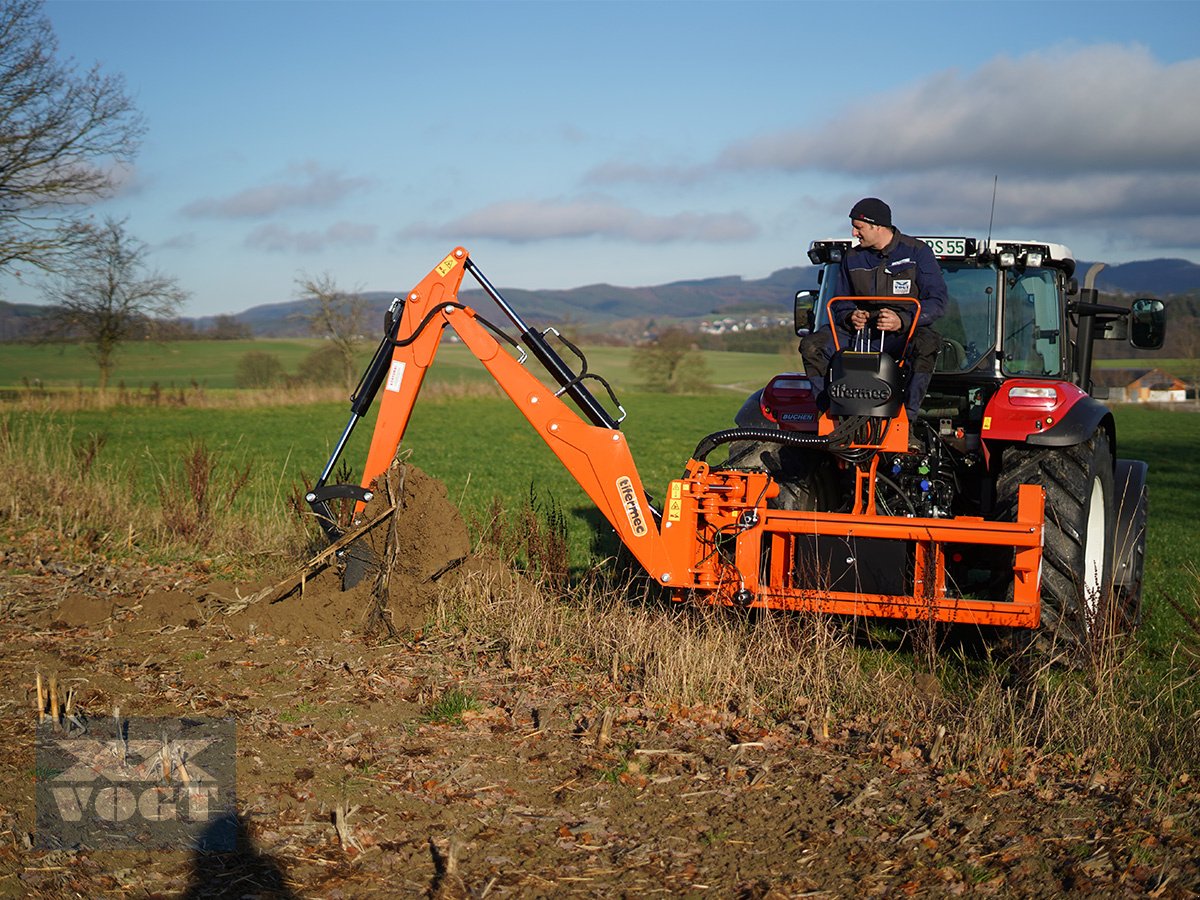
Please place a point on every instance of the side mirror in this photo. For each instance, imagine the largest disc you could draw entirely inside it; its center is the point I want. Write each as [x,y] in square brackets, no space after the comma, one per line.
[1072,287]
[803,314]
[1147,323]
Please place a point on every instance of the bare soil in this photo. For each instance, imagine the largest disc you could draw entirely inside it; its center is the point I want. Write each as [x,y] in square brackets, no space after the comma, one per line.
[556,781]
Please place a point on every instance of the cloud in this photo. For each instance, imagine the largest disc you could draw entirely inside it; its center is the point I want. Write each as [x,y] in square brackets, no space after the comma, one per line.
[184,241]
[1099,141]
[1104,108]
[125,180]
[281,239]
[305,186]
[521,222]
[1135,210]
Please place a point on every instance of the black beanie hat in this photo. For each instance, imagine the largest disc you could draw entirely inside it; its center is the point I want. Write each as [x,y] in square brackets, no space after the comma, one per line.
[873,211]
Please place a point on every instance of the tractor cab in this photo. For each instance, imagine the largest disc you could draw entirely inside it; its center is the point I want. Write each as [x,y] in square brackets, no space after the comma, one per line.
[1015,312]
[1005,316]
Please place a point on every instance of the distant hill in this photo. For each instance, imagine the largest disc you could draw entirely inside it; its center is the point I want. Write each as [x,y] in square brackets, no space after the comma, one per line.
[602,305]
[595,305]
[1153,277]
[624,310]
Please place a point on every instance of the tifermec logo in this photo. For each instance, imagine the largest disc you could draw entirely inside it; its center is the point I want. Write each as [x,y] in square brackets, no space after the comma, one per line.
[119,783]
[629,503]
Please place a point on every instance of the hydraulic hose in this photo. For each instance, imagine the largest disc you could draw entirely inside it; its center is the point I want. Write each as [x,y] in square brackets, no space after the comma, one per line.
[716,439]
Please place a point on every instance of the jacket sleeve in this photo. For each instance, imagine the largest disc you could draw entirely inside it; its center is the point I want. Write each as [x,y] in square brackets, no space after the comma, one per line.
[931,286]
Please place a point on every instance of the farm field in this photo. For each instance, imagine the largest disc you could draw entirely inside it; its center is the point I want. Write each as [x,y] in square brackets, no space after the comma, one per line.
[213,364]
[481,448]
[518,737]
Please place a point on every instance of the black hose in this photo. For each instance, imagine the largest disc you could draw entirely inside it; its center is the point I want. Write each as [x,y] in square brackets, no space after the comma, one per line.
[717,438]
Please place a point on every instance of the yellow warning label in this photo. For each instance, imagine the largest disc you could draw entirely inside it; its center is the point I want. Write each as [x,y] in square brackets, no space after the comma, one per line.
[674,509]
[446,265]
[676,489]
[987,423]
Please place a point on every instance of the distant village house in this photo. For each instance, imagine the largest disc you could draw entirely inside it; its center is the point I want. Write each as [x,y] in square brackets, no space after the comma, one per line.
[1142,386]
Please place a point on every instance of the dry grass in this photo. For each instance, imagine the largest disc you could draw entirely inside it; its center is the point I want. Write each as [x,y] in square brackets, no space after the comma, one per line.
[820,674]
[814,673]
[59,493]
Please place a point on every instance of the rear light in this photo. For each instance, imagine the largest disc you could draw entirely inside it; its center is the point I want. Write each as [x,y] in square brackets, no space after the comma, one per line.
[794,387]
[1038,397]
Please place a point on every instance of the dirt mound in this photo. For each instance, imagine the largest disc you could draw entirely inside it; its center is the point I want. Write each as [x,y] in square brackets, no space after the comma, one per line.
[418,544]
[410,550]
[81,609]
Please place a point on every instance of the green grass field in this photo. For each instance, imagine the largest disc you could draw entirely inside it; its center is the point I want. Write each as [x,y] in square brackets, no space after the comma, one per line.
[213,364]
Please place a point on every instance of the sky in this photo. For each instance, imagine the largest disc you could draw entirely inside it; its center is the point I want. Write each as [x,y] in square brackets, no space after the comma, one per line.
[570,142]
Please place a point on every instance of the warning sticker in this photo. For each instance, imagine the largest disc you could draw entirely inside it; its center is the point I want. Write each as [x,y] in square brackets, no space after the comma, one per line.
[675,502]
[395,376]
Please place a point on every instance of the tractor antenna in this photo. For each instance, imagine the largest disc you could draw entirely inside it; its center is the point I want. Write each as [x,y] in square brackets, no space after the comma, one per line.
[992,215]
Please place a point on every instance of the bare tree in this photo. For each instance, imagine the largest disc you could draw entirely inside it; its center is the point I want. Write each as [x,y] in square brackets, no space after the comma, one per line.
[109,295]
[338,316]
[64,136]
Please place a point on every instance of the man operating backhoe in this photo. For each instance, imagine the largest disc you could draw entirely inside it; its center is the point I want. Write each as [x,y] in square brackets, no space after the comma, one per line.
[884,263]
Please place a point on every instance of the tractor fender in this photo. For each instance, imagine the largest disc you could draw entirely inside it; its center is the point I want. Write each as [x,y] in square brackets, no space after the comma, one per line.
[787,403]
[1129,539]
[1067,417]
[1081,421]
[751,414]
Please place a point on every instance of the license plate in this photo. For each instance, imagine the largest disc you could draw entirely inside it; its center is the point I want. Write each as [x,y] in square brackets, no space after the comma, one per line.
[947,246]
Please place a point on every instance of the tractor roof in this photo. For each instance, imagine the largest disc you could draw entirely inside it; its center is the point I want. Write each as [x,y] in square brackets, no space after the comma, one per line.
[1023,252]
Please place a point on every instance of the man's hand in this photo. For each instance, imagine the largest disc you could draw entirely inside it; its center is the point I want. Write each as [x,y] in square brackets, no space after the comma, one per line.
[887,320]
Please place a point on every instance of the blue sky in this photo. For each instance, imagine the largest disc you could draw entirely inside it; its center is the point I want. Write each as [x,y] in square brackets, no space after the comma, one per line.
[633,143]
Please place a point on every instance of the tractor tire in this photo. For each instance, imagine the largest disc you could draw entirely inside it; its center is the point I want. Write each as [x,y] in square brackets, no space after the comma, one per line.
[1077,552]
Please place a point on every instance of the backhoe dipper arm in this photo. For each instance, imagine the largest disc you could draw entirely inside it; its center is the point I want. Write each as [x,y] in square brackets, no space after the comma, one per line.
[597,454]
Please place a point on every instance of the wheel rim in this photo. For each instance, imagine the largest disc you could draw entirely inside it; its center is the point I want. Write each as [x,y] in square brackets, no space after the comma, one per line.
[1093,553]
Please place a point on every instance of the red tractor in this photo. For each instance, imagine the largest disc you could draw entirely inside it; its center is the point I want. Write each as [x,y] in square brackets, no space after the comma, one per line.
[1010,404]
[830,511]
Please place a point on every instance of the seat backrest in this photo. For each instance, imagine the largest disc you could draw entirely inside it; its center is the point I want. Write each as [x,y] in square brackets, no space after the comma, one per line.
[951,358]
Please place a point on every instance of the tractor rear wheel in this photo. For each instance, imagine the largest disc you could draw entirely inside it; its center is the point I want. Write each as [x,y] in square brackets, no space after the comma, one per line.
[1078,544]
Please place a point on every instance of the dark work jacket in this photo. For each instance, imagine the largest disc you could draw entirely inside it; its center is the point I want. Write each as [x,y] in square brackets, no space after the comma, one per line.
[906,267]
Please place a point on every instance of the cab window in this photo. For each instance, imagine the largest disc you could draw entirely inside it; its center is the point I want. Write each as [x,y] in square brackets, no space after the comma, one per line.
[1032,328]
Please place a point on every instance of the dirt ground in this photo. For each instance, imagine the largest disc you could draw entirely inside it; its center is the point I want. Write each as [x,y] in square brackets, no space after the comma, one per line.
[556,781]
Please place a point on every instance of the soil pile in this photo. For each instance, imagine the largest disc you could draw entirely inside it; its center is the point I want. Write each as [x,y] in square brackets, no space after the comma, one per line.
[407,552]
[411,552]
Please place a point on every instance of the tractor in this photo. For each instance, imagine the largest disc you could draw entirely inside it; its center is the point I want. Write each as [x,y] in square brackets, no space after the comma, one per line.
[1011,403]
[1011,516]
